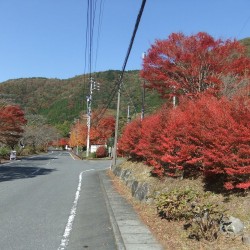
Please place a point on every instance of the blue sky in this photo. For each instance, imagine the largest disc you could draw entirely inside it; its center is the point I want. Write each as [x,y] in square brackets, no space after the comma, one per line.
[46,38]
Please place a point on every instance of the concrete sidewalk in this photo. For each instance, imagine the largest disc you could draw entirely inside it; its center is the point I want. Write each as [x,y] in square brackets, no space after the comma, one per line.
[130,232]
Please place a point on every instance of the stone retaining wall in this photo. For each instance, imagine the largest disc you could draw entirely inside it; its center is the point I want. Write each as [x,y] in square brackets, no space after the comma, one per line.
[139,190]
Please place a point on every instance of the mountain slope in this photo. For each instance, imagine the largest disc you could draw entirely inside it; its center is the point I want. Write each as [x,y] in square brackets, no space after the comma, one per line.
[63,100]
[246,42]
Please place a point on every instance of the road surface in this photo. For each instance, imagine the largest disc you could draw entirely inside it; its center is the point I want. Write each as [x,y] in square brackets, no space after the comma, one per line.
[52,202]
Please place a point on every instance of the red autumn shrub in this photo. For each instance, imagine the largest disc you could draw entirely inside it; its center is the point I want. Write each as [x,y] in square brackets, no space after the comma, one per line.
[101,152]
[63,142]
[180,144]
[228,142]
[208,136]
[149,146]
[130,137]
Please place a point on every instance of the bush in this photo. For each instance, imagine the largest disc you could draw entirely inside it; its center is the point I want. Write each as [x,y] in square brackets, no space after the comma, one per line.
[202,218]
[205,222]
[149,146]
[208,136]
[177,204]
[4,152]
[101,152]
[131,136]
[92,155]
[27,150]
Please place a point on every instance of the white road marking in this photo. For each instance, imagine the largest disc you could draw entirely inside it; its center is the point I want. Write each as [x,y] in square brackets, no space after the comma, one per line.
[68,228]
[72,156]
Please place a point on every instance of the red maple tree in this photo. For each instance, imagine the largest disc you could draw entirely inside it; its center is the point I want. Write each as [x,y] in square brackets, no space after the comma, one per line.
[12,121]
[188,65]
[102,130]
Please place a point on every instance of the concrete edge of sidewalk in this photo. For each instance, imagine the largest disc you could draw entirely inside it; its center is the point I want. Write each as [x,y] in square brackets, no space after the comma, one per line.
[117,233]
[129,231]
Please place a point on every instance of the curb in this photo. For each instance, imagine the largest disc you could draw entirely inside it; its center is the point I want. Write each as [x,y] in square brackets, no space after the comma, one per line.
[129,231]
[118,238]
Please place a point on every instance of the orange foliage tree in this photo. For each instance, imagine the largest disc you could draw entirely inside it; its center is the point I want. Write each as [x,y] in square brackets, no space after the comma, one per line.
[78,134]
[100,131]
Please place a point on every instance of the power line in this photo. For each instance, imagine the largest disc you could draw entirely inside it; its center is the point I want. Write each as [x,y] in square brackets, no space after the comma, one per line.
[111,98]
[117,86]
[119,81]
[101,10]
[243,26]
[121,77]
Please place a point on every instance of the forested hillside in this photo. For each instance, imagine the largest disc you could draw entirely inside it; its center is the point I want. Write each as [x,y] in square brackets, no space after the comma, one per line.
[63,100]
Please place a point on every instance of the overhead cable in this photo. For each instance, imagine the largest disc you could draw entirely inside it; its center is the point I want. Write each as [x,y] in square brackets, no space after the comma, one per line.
[117,86]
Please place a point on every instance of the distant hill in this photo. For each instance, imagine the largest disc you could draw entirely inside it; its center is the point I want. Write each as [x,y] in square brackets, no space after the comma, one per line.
[63,100]
[246,42]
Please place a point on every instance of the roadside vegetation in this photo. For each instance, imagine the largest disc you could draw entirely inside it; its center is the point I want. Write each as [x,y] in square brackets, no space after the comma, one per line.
[207,134]
[168,211]
[198,146]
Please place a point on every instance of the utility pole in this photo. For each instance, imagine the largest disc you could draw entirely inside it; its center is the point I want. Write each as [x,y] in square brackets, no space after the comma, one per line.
[89,102]
[128,115]
[93,86]
[117,122]
[174,99]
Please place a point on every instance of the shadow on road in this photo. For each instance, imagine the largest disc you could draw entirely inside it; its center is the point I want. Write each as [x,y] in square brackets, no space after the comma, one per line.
[8,173]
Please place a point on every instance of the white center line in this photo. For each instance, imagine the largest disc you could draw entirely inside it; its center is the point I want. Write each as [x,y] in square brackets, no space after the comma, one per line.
[68,228]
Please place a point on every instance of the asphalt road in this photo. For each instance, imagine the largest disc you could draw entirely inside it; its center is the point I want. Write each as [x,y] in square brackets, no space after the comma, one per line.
[53,202]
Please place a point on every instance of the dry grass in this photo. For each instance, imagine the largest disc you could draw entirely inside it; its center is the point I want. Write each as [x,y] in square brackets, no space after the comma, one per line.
[171,234]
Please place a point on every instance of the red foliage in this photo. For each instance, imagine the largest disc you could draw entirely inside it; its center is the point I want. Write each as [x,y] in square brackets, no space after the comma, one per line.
[99,132]
[209,136]
[149,145]
[101,152]
[129,139]
[63,142]
[180,145]
[11,123]
[102,130]
[188,65]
